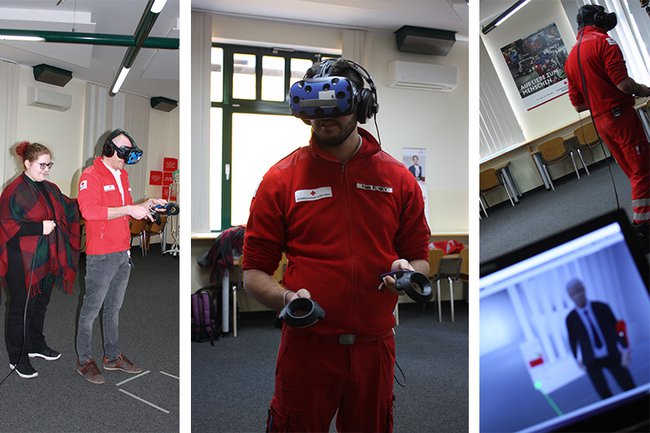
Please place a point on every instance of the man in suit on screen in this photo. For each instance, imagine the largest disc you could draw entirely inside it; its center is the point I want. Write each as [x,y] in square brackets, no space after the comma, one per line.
[592,329]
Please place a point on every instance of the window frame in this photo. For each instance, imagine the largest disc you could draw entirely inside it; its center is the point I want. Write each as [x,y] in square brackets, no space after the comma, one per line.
[230,105]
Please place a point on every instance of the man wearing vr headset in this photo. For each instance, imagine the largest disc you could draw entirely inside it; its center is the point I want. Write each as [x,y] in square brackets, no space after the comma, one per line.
[598,81]
[344,212]
[106,205]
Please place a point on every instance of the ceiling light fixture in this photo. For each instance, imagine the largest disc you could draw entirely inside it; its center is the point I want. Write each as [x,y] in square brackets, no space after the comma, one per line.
[119,81]
[505,15]
[21,38]
[157,6]
[147,20]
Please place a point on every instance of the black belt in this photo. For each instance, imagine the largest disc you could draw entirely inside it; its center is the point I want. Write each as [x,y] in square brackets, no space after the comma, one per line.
[342,339]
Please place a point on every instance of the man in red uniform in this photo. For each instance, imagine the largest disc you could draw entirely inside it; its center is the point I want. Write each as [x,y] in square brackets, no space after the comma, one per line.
[106,205]
[598,81]
[344,212]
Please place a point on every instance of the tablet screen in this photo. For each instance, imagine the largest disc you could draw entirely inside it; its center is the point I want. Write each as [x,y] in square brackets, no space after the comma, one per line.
[565,330]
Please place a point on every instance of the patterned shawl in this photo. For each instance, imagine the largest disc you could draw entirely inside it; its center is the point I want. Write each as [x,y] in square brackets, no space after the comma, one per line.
[55,257]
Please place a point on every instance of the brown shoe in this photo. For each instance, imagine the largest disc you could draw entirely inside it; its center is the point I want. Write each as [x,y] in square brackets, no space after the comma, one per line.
[90,372]
[121,363]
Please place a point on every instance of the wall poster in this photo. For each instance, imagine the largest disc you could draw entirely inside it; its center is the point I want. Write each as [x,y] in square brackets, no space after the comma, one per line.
[536,63]
[415,158]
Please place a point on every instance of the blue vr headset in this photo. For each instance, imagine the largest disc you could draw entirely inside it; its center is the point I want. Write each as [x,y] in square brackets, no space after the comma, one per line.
[319,98]
[130,155]
[323,96]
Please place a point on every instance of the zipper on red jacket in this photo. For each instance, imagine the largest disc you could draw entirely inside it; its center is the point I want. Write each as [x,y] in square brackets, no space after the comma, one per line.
[351,257]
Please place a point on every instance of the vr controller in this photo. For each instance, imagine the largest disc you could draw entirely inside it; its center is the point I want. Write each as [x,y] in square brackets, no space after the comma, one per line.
[169,209]
[300,313]
[416,285]
[321,98]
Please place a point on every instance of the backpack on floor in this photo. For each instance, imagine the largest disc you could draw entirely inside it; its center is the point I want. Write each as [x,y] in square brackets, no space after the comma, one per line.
[204,315]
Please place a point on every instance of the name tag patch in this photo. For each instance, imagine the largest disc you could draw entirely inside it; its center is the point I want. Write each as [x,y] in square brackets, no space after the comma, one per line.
[377,188]
[109,187]
[83,185]
[313,194]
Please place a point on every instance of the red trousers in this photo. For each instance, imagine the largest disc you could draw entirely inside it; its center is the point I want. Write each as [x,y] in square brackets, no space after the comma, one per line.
[317,377]
[628,144]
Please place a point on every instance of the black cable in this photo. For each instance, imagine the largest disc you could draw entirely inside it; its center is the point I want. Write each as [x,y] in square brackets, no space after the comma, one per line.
[403,375]
[29,293]
[377,129]
[593,119]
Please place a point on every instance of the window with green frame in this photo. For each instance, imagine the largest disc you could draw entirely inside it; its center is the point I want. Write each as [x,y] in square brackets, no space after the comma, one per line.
[251,127]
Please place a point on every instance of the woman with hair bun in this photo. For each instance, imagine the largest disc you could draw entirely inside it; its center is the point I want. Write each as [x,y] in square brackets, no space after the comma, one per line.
[39,249]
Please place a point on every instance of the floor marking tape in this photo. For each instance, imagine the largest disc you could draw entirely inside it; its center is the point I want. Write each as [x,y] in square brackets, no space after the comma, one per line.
[144,401]
[131,378]
[170,375]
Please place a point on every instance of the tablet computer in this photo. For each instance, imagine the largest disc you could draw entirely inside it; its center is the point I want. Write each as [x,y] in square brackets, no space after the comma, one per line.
[565,332]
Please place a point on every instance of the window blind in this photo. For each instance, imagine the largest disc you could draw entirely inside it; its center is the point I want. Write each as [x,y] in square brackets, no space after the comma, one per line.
[499,129]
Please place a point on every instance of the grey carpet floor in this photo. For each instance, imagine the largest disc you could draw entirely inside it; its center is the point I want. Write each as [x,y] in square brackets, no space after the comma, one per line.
[232,382]
[60,400]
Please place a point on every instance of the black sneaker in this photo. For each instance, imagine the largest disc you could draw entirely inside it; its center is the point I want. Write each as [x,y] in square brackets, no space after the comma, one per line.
[47,354]
[24,369]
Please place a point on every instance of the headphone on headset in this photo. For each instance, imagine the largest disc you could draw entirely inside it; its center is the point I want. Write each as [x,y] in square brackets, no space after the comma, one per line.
[325,96]
[601,19]
[130,155]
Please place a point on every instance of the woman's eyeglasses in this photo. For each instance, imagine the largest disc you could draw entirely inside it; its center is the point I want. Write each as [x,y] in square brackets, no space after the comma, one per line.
[43,165]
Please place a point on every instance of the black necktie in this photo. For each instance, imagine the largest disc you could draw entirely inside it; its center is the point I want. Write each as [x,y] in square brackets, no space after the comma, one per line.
[597,341]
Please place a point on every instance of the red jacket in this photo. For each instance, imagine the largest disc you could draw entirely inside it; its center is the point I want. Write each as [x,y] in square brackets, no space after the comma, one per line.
[341,225]
[97,192]
[603,67]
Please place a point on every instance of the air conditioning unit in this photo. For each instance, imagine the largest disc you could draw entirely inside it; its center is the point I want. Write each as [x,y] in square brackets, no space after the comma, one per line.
[45,98]
[422,76]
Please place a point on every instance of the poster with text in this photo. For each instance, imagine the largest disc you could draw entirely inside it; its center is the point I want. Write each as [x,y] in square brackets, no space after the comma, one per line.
[536,63]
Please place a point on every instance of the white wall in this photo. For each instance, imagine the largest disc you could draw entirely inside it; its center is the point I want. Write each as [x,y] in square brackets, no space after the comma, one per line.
[60,131]
[275,33]
[436,121]
[534,16]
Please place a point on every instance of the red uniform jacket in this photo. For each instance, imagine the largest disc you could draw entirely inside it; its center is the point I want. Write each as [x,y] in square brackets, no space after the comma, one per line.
[97,192]
[341,225]
[603,67]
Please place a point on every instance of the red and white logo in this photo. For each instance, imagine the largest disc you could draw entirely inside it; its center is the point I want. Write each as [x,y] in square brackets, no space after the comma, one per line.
[313,194]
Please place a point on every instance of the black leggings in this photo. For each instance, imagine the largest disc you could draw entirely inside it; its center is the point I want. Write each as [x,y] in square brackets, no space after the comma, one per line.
[16,296]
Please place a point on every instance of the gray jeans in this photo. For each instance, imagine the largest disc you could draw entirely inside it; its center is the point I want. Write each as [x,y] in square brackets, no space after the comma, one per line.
[107,276]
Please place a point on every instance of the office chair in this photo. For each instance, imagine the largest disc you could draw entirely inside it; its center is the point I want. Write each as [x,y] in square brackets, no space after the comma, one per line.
[448,269]
[587,140]
[434,262]
[491,180]
[482,208]
[153,229]
[237,282]
[552,152]
[138,230]
[463,275]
